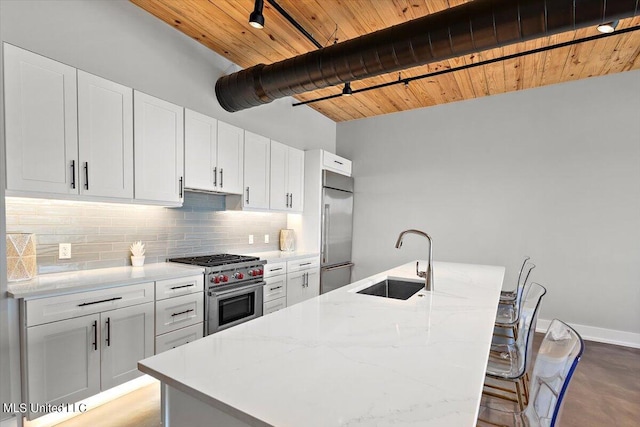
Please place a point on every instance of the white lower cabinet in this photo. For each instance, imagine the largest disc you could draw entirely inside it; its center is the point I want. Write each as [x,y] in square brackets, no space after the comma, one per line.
[273,306]
[179,311]
[177,338]
[127,338]
[72,359]
[303,280]
[63,361]
[274,293]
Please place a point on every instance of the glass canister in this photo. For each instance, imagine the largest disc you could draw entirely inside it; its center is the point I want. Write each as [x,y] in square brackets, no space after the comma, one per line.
[21,257]
[287,240]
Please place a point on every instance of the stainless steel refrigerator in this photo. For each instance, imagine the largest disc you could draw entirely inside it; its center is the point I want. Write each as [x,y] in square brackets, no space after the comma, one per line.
[336,231]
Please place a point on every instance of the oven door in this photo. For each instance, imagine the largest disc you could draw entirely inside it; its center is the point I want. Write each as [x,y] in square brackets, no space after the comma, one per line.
[233,306]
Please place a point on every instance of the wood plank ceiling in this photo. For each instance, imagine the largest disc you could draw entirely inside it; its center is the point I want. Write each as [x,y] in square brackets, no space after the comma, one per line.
[222,25]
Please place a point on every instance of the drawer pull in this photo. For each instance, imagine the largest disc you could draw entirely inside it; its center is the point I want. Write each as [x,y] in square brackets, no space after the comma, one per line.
[276,269]
[340,163]
[98,302]
[183,286]
[305,263]
[182,312]
[277,287]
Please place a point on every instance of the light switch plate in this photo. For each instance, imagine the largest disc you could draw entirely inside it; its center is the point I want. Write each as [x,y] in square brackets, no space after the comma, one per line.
[266,238]
[251,239]
[64,251]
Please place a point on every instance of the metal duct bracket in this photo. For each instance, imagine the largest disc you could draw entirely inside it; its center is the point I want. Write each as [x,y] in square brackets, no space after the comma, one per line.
[472,27]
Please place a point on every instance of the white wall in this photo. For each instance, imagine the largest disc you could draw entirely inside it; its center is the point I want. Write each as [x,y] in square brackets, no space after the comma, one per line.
[548,172]
[119,41]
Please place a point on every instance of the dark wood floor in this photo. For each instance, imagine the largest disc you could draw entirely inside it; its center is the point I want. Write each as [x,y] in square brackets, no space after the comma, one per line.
[604,392]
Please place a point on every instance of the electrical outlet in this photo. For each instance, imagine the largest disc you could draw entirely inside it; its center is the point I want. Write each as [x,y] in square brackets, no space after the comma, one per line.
[64,251]
[251,239]
[266,238]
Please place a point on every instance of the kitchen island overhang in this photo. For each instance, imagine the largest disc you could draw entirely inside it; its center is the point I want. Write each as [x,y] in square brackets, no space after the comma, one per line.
[343,358]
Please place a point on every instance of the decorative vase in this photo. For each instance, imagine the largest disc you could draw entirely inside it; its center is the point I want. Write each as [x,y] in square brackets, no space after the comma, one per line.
[287,240]
[137,261]
[21,257]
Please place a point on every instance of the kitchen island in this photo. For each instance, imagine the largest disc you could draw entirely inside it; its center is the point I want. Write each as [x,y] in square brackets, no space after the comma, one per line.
[343,359]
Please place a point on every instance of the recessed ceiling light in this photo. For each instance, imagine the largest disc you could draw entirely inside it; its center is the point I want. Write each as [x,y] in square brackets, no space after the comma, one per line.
[607,27]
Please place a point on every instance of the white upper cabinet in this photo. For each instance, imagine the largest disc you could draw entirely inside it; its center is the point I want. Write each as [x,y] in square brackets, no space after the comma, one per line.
[279,195]
[287,177]
[213,154]
[256,171]
[200,151]
[41,123]
[230,158]
[158,150]
[295,179]
[105,135]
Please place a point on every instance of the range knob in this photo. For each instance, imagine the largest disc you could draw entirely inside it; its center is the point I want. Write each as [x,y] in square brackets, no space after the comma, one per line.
[215,279]
[253,273]
[260,272]
[238,275]
[224,278]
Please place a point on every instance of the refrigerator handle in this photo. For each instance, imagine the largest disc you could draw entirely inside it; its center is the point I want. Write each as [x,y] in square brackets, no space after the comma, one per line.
[325,228]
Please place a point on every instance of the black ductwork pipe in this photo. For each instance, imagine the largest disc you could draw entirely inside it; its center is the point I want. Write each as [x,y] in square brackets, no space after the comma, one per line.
[472,27]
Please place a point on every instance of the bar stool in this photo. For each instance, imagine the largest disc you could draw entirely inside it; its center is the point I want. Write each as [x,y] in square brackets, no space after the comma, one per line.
[509,359]
[556,361]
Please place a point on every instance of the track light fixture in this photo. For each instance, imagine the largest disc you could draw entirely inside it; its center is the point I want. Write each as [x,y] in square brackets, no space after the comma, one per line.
[256,19]
[346,91]
[607,27]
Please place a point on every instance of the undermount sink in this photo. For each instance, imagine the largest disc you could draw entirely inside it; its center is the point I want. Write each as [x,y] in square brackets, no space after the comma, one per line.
[393,288]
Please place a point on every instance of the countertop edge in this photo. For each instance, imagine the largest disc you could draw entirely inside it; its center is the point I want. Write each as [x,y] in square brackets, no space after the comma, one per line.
[177,271]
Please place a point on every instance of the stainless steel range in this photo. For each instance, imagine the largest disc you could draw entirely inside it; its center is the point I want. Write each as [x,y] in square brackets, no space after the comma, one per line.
[233,291]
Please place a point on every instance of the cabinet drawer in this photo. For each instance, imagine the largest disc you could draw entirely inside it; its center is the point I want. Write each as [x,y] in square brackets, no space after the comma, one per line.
[275,269]
[178,312]
[276,287]
[176,287]
[177,338]
[52,309]
[336,163]
[275,305]
[303,264]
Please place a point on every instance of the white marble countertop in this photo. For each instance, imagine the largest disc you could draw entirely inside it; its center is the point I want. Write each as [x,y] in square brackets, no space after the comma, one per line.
[52,284]
[347,359]
[280,256]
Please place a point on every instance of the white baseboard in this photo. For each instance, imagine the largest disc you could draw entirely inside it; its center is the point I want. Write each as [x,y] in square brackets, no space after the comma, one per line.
[592,333]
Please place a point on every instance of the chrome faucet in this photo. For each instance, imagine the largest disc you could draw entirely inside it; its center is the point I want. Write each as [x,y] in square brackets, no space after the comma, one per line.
[428,275]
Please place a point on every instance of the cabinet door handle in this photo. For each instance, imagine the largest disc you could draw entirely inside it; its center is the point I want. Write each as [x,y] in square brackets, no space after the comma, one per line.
[247,195]
[182,312]
[73,174]
[182,286]
[286,199]
[291,200]
[86,175]
[98,302]
[181,187]
[95,335]
[221,177]
[215,176]
[108,340]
